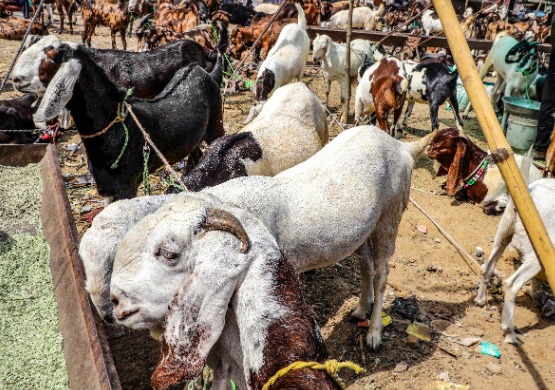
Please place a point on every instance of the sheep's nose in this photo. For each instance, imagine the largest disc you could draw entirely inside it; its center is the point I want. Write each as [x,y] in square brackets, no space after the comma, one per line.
[114,300]
[16,80]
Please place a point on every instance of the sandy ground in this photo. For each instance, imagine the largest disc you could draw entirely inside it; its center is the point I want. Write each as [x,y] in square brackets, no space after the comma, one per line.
[425,267]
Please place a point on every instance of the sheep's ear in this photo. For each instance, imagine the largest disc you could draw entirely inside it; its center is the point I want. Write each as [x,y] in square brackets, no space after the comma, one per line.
[58,93]
[454,175]
[196,316]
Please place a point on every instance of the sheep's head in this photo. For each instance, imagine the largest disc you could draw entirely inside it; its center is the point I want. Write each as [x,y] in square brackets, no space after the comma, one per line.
[36,66]
[187,261]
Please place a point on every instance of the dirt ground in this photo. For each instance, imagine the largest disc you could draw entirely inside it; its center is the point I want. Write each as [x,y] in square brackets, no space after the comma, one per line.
[425,266]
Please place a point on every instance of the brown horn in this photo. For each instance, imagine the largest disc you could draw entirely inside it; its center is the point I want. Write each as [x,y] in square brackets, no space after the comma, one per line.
[217,219]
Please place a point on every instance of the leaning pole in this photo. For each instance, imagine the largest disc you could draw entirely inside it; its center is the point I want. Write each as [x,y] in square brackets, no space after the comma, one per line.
[497,143]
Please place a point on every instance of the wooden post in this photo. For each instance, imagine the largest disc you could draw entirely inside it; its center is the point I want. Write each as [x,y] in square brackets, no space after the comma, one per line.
[496,140]
[346,98]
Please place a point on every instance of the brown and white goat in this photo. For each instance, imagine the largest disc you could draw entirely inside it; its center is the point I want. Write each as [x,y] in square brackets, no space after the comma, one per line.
[382,89]
[460,159]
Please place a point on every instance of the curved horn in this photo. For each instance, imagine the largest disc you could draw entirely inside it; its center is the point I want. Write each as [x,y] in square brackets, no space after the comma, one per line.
[217,219]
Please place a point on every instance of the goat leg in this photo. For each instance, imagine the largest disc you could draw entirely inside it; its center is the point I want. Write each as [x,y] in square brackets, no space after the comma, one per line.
[366,265]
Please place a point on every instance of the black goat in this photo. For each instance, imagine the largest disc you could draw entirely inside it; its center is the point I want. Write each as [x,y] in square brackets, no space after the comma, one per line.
[225,159]
[146,72]
[17,114]
[186,112]
[433,83]
[238,13]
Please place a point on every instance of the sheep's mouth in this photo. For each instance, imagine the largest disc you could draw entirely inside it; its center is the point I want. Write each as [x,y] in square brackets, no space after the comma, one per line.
[21,88]
[126,314]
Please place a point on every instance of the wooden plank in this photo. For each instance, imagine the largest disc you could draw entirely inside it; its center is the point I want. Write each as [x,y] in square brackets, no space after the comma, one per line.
[398,39]
[88,359]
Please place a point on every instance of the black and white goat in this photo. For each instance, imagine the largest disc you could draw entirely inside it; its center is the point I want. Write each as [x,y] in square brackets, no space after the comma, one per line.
[432,83]
[17,114]
[146,72]
[184,114]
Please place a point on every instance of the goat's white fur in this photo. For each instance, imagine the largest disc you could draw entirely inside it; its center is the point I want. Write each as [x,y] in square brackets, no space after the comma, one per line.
[363,17]
[287,58]
[332,56]
[98,246]
[290,128]
[58,93]
[26,69]
[429,23]
[511,231]
[350,196]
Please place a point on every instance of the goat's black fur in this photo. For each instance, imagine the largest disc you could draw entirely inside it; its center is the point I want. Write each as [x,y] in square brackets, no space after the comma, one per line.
[238,13]
[186,112]
[17,114]
[223,160]
[149,72]
[440,85]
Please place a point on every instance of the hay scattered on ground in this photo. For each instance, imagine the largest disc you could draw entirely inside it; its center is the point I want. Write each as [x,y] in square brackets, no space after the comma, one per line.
[31,354]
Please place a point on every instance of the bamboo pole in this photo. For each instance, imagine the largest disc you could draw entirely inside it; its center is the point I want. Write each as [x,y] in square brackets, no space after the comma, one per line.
[497,143]
[345,99]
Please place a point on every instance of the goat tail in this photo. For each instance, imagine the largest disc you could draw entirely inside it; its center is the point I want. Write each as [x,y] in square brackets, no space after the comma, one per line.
[417,148]
[224,38]
[217,73]
[380,11]
[301,18]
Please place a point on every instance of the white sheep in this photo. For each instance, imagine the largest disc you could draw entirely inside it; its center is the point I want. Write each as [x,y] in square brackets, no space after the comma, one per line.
[332,55]
[97,248]
[285,62]
[511,231]
[363,17]
[349,197]
[290,128]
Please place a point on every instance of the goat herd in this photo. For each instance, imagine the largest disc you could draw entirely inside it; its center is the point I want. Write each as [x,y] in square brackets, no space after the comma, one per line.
[212,272]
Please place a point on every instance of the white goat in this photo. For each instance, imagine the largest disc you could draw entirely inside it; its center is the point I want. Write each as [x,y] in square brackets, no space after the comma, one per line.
[97,248]
[285,62]
[349,197]
[332,55]
[516,64]
[291,128]
[511,231]
[430,22]
[232,288]
[363,17]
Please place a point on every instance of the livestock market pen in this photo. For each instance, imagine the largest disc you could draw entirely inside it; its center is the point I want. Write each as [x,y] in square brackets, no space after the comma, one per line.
[87,344]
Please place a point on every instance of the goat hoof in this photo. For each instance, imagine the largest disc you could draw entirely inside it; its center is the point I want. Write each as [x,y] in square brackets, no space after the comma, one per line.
[374,341]
[480,301]
[512,338]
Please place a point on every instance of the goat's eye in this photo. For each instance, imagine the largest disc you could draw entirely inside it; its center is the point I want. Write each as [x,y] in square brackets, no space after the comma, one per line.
[166,254]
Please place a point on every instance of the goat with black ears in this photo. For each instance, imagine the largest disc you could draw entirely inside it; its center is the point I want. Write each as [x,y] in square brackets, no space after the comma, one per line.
[184,114]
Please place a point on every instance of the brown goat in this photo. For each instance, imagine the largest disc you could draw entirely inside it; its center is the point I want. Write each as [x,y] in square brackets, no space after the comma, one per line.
[13,28]
[178,19]
[240,38]
[102,12]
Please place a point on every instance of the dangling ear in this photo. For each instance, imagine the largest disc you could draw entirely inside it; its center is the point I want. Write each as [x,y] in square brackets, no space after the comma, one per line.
[454,176]
[196,316]
[60,88]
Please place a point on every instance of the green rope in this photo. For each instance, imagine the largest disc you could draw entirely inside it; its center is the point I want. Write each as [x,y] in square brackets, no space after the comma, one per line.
[235,75]
[123,114]
[146,177]
[233,385]
[206,379]
[215,33]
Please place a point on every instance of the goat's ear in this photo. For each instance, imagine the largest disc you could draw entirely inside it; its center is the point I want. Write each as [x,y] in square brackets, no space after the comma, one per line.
[196,316]
[454,175]
[58,93]
[442,171]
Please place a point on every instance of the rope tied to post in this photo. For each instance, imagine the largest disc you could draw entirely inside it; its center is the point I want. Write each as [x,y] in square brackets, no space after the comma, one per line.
[331,367]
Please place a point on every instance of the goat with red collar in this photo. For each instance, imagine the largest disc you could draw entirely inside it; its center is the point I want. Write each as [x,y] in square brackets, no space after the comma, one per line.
[471,172]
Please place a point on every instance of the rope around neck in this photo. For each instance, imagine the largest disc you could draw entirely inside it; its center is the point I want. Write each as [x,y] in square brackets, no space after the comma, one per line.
[330,366]
[478,172]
